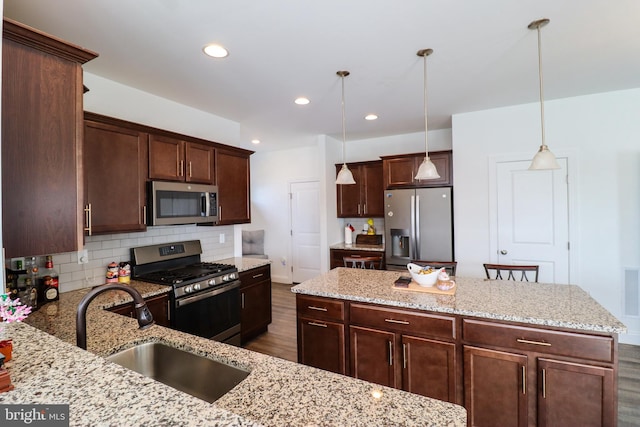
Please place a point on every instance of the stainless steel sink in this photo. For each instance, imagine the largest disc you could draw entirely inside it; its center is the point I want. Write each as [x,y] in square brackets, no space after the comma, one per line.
[203,378]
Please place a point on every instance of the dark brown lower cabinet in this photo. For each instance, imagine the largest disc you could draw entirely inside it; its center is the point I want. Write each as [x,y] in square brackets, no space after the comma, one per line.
[505,374]
[495,387]
[418,365]
[372,355]
[429,368]
[158,306]
[255,302]
[321,333]
[574,394]
[322,345]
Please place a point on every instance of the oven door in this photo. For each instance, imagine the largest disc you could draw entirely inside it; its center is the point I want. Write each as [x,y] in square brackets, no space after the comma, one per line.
[212,313]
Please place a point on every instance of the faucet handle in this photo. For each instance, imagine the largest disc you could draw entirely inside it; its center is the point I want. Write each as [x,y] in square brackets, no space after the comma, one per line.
[145,318]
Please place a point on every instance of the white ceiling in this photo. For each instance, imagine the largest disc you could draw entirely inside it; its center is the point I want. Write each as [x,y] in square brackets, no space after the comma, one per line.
[484,56]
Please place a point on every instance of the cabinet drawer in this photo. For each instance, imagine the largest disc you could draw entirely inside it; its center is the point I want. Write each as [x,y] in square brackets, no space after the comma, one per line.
[255,275]
[591,347]
[416,323]
[320,308]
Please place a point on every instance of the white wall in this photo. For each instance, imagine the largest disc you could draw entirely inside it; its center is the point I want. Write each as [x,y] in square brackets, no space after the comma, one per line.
[602,134]
[272,173]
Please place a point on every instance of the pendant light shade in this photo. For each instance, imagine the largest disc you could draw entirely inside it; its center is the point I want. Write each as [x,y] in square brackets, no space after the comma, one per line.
[427,169]
[344,176]
[544,158]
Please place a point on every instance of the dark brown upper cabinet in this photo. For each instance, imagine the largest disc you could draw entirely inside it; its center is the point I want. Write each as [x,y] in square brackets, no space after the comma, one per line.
[365,197]
[172,159]
[399,171]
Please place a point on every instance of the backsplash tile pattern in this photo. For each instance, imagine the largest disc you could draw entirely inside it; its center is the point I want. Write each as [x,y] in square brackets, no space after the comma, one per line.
[116,247]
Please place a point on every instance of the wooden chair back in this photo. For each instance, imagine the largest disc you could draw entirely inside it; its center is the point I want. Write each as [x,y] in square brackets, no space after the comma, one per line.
[511,271]
[449,266]
[371,262]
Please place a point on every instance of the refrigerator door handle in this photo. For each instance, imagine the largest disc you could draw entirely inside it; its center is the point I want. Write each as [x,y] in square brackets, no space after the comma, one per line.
[417,229]
[412,230]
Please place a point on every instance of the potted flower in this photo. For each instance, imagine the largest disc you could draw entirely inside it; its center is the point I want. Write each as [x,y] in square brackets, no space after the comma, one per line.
[11,310]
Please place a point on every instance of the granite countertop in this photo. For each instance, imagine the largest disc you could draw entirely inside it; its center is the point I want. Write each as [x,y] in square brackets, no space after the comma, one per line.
[563,306]
[49,368]
[358,247]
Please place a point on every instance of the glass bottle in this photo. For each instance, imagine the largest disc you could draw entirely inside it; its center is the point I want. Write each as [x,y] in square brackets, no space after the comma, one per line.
[50,282]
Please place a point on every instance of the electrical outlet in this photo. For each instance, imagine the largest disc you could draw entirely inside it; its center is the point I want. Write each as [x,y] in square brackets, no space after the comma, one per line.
[83,256]
[221,237]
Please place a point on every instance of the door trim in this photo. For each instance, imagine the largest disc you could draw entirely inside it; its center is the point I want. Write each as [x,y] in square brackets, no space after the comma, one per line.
[572,200]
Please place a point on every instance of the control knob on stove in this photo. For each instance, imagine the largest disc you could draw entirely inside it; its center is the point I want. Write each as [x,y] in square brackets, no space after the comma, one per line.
[188,289]
[212,282]
[196,287]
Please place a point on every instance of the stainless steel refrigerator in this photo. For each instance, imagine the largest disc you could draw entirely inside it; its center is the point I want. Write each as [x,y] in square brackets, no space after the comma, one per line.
[418,225]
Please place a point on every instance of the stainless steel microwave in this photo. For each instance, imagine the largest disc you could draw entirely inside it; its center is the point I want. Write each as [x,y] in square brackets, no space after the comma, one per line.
[173,203]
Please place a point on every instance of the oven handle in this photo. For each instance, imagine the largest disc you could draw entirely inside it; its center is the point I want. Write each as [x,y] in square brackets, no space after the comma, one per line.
[208,294]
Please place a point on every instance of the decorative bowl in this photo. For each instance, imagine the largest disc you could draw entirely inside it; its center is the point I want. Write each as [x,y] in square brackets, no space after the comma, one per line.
[423,275]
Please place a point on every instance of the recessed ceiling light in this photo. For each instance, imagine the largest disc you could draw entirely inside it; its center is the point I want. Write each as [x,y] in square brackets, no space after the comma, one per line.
[302,101]
[370,117]
[216,51]
[255,141]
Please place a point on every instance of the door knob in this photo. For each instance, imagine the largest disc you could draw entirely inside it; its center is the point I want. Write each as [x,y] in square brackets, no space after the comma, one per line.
[503,252]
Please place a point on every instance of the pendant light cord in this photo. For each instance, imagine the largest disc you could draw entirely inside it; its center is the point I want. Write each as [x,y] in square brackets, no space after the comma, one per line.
[544,144]
[343,125]
[426,145]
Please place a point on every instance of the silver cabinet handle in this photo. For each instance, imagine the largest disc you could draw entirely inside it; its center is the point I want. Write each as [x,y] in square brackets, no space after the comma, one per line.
[144,215]
[400,322]
[190,170]
[312,307]
[219,214]
[181,168]
[322,325]
[258,275]
[523,341]
[242,300]
[87,216]
[524,379]
[544,384]
[404,356]
[358,208]
[390,353]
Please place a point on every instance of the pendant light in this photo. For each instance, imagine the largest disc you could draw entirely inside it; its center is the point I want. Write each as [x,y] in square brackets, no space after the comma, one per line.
[544,159]
[344,176]
[427,169]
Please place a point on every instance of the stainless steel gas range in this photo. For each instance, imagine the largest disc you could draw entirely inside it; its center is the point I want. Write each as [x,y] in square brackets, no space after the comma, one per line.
[205,297]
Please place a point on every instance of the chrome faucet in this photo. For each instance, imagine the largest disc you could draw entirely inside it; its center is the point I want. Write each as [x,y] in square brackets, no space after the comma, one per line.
[145,319]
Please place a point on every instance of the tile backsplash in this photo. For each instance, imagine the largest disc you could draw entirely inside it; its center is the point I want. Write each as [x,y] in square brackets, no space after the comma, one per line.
[108,248]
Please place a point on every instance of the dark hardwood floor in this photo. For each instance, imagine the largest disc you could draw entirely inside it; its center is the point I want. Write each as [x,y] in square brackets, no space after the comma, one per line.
[280,341]
[629,386]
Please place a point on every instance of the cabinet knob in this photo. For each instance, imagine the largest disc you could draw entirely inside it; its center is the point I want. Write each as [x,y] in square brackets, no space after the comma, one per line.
[503,252]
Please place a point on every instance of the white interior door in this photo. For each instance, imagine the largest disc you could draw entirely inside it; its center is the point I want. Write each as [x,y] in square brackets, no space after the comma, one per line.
[305,230]
[533,218]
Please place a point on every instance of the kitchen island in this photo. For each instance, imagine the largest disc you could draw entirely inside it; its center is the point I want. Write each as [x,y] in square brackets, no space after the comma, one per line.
[48,368]
[495,346]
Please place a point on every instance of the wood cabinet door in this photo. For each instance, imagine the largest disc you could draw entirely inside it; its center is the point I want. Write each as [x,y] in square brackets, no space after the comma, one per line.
[255,314]
[166,158]
[232,172]
[399,172]
[573,394]
[372,190]
[199,163]
[321,344]
[495,387]
[429,368]
[41,150]
[442,161]
[373,355]
[115,172]
[349,204]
